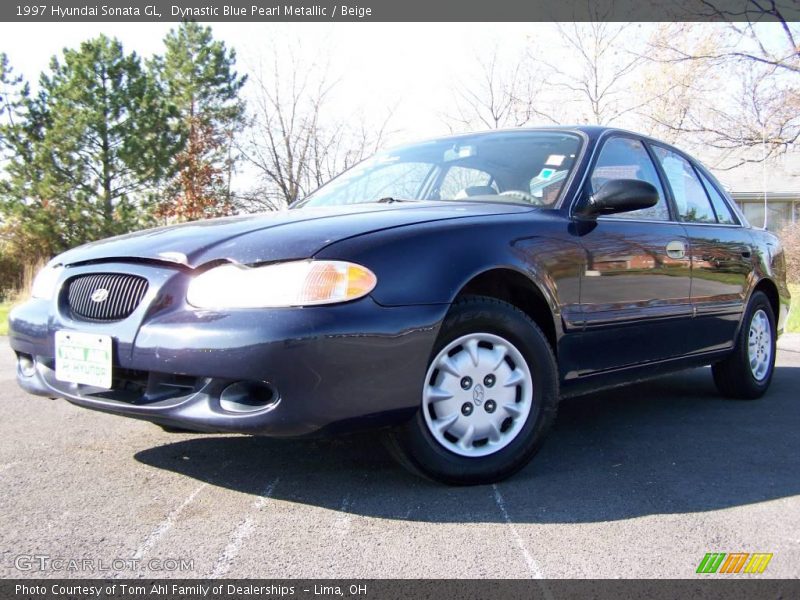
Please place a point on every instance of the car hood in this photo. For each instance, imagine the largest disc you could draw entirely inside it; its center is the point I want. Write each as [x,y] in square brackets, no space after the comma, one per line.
[282,235]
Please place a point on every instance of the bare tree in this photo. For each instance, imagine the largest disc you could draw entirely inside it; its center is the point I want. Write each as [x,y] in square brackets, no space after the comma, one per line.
[344,143]
[285,126]
[296,144]
[503,97]
[599,83]
[595,88]
[761,34]
[670,91]
[754,114]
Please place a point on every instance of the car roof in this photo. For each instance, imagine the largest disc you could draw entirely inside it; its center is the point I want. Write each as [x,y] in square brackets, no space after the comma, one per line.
[591,132]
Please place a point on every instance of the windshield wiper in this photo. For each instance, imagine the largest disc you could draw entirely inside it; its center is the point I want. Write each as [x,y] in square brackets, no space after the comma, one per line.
[390,200]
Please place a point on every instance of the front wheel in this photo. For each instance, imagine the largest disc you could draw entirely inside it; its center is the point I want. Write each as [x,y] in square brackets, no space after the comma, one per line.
[489,396]
[747,372]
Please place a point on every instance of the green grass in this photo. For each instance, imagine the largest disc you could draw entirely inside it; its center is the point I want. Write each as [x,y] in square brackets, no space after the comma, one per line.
[793,324]
[5,308]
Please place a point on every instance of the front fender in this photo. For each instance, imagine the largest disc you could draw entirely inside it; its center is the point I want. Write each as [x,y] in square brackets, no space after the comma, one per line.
[431,263]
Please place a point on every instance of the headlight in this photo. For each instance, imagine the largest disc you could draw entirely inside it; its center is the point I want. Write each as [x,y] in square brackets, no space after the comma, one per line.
[297,283]
[44,284]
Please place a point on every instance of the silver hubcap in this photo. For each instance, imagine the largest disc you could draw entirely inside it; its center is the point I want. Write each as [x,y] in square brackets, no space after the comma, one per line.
[478,394]
[759,348]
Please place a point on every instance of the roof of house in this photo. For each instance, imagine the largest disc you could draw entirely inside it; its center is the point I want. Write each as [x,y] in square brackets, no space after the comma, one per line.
[780,176]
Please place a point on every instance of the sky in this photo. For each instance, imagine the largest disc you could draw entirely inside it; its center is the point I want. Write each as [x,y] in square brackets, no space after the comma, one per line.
[410,68]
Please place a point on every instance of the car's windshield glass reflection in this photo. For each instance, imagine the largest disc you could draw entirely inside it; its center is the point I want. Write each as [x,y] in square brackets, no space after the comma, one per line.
[529,167]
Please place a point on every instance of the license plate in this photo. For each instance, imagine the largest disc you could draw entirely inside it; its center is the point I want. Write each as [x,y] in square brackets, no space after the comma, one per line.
[83,358]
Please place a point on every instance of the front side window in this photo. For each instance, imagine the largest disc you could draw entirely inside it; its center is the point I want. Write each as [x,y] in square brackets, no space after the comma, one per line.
[520,167]
[690,197]
[627,158]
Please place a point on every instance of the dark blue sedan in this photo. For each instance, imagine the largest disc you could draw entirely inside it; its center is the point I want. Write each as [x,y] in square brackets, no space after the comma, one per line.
[450,292]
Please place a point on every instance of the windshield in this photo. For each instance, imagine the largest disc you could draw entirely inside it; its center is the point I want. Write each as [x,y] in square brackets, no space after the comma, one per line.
[525,167]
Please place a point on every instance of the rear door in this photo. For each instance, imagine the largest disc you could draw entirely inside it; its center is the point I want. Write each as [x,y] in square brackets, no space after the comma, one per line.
[720,249]
[635,291]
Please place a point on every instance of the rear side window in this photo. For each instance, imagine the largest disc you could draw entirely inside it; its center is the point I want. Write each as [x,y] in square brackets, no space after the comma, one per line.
[690,196]
[627,158]
[724,214]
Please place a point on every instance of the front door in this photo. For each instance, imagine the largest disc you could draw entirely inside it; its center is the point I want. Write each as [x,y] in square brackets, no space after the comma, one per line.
[636,285]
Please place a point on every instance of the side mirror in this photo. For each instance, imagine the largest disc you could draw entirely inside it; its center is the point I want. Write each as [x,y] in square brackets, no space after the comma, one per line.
[619,195]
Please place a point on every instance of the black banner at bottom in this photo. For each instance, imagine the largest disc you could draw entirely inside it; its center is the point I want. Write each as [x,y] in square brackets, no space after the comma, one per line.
[713,587]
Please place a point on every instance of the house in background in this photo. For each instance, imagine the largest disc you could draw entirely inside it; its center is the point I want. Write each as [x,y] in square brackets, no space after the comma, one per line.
[781,175]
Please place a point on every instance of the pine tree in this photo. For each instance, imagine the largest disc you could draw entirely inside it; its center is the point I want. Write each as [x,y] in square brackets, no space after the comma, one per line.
[199,79]
[90,149]
[13,91]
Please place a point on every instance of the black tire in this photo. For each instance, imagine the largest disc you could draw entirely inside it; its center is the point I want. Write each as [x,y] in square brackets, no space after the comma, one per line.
[413,445]
[733,376]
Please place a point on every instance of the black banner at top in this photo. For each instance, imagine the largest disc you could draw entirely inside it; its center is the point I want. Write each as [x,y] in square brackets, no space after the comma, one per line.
[399,10]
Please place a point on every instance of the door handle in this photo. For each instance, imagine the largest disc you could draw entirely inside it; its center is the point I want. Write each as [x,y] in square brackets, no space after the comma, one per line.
[746,252]
[676,249]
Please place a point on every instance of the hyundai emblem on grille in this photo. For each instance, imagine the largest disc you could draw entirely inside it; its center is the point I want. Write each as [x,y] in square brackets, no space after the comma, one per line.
[100,295]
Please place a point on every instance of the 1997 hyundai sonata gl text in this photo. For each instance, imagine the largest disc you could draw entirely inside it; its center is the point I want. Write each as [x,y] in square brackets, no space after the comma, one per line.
[450,291]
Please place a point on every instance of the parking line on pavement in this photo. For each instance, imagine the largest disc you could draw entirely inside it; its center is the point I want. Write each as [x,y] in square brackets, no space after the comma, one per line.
[243,531]
[166,524]
[533,566]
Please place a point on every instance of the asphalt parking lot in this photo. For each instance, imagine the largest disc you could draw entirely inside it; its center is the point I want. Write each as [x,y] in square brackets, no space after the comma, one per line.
[636,482]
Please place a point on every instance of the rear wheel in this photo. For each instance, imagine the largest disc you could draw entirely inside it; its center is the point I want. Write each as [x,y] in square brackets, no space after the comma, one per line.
[489,396]
[747,372]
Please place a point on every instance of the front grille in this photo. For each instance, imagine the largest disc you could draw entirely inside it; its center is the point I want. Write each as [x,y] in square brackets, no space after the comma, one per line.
[123,293]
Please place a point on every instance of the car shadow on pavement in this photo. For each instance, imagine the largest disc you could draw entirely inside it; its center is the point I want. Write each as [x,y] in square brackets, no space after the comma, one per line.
[671,445]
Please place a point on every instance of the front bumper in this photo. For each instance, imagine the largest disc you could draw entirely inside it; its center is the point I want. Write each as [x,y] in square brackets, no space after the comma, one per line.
[340,367]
